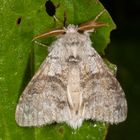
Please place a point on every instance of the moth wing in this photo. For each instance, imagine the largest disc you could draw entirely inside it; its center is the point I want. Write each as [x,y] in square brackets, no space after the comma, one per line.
[44,99]
[103,96]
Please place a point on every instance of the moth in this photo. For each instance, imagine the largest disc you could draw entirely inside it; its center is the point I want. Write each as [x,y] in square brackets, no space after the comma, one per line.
[73,83]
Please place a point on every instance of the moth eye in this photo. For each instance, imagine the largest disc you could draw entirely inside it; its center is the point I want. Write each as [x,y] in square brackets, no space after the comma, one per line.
[80,31]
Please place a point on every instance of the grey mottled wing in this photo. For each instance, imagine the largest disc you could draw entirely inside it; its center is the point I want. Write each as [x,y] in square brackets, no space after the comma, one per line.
[44,99]
[103,96]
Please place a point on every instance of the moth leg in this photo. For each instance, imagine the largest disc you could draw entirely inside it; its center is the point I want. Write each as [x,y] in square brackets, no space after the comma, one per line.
[56,19]
[65,19]
[40,44]
[51,9]
[93,24]
[97,17]
[61,22]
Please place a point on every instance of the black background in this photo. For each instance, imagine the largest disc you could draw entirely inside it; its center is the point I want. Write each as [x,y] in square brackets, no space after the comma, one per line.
[124,51]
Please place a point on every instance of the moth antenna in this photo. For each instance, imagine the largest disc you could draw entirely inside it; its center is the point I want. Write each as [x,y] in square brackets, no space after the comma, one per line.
[51,33]
[97,17]
[92,24]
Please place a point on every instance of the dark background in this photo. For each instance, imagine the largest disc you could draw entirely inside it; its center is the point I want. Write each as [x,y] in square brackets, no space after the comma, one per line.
[124,51]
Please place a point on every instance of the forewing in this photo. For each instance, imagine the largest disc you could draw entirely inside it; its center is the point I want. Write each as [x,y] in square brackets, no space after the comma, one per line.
[44,99]
[103,96]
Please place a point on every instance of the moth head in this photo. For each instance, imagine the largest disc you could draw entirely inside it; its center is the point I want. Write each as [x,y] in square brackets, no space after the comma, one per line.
[71,28]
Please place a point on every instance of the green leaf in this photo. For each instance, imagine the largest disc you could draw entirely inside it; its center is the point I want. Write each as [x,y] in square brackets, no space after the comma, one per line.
[20,21]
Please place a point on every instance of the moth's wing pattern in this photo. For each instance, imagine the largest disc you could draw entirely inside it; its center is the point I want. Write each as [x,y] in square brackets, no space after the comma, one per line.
[44,99]
[103,96]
